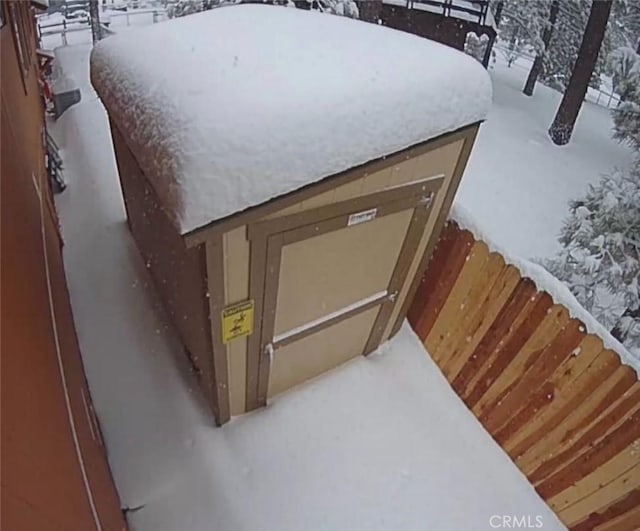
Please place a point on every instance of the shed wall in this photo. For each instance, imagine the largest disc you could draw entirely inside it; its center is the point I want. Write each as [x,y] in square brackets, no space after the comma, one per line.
[439,159]
[236,280]
[453,167]
[178,273]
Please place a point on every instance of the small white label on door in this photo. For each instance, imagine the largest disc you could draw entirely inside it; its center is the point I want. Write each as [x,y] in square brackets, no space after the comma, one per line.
[362,217]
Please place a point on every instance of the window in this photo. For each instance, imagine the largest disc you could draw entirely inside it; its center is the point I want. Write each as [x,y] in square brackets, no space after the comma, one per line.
[2,17]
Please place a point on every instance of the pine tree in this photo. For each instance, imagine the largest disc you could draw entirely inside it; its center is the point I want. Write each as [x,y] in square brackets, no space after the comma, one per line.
[600,257]
[476,46]
[346,8]
[521,25]
[547,33]
[562,127]
[561,53]
[625,66]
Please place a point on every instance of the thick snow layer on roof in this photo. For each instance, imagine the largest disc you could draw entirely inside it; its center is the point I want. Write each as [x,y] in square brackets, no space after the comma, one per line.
[231,107]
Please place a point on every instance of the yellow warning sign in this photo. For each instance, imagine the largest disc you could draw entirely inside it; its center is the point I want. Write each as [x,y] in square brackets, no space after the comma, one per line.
[237,321]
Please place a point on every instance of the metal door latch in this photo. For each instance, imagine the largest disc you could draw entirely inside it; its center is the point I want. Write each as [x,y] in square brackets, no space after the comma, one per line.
[392,296]
[268,351]
[426,200]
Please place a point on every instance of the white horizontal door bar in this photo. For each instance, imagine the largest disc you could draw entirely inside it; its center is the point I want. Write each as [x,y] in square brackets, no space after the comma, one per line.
[333,315]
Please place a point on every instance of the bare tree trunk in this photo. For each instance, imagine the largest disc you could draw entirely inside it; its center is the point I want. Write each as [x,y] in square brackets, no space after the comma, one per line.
[498,14]
[513,44]
[369,10]
[562,127]
[536,68]
[487,51]
[94,19]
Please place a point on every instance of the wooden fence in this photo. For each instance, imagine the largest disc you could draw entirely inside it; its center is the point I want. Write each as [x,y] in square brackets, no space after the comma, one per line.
[564,408]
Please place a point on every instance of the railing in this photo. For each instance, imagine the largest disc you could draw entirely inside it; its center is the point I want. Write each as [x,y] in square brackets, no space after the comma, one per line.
[54,165]
[562,405]
[62,28]
[451,8]
[67,26]
[523,58]
[602,98]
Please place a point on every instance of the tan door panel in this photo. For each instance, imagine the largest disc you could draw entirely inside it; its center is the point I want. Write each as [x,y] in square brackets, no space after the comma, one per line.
[319,352]
[326,281]
[323,274]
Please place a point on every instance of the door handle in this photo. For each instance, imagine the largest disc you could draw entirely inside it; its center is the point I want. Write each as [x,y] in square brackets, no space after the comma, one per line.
[268,351]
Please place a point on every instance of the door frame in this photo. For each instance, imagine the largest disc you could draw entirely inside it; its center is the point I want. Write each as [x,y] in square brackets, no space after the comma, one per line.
[267,238]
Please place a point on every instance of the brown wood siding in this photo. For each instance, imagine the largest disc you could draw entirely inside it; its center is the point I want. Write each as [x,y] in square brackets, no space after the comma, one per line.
[179,274]
[561,405]
[447,30]
[42,474]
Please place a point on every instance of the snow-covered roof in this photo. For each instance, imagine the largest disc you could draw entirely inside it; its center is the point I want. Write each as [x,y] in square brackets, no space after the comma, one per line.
[229,108]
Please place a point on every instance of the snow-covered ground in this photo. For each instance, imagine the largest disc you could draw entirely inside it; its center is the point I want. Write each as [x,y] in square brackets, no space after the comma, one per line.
[517,186]
[518,183]
[382,443]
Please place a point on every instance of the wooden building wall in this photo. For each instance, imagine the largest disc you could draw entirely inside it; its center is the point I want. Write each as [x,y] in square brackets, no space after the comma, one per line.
[448,30]
[563,407]
[54,469]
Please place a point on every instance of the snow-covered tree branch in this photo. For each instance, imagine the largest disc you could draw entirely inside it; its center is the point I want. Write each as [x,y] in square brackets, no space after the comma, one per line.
[599,260]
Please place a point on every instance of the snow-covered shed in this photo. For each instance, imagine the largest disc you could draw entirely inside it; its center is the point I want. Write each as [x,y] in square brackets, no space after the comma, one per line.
[285,174]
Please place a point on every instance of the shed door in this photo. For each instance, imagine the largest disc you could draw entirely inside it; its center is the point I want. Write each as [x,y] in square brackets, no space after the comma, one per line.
[330,285]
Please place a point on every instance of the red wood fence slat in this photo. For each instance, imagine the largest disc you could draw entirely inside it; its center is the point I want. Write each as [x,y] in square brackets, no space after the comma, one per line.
[628,503]
[446,270]
[595,433]
[515,342]
[499,329]
[547,361]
